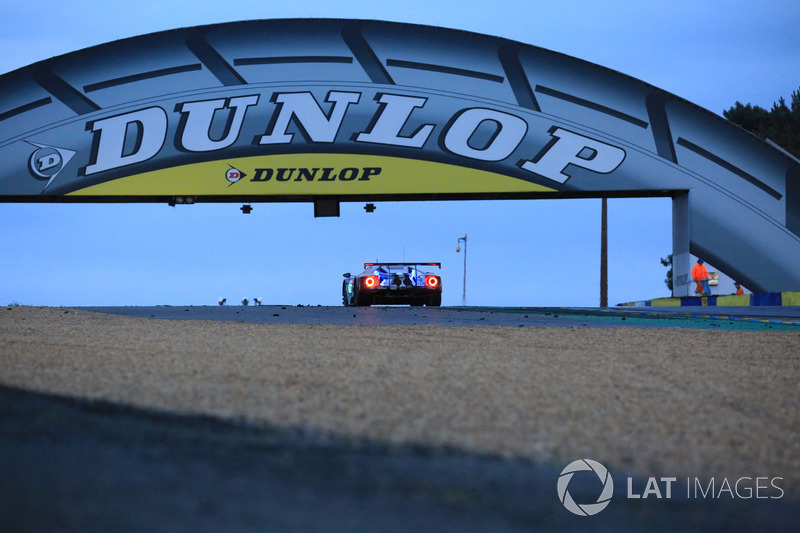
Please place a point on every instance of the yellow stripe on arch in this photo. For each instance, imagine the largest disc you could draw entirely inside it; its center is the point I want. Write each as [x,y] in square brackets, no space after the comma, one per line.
[396,176]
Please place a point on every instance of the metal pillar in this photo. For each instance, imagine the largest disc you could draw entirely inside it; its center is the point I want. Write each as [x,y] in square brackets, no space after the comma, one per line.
[604,253]
[681,257]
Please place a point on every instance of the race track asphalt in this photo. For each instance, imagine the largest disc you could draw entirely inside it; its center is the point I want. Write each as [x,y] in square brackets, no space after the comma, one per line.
[734,318]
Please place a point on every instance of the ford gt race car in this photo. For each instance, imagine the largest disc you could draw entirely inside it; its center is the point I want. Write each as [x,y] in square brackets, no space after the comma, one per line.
[393,283]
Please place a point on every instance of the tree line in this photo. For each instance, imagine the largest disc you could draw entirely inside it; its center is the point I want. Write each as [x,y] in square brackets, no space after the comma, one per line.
[781,124]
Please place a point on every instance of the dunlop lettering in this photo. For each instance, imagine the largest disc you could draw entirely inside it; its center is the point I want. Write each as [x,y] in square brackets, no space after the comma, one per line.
[315,174]
[475,134]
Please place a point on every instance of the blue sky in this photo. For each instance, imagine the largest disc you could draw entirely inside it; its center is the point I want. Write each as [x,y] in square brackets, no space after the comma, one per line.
[532,253]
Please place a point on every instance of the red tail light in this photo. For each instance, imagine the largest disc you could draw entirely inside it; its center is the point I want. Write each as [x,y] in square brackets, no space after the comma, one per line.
[370,282]
[432,281]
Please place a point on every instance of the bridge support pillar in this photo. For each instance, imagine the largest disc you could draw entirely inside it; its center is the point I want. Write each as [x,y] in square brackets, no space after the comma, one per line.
[681,258]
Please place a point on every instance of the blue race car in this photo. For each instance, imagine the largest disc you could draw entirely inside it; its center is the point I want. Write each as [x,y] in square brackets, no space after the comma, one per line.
[393,283]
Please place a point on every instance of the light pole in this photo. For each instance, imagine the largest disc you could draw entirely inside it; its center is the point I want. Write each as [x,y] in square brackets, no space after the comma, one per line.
[458,249]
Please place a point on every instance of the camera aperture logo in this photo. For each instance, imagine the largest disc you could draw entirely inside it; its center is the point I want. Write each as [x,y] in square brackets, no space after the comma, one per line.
[585,509]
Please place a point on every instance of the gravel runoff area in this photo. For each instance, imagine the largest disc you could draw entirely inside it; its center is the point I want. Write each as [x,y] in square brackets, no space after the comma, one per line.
[683,403]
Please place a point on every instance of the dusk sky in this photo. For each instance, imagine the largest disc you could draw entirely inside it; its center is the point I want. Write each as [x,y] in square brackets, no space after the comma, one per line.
[520,253]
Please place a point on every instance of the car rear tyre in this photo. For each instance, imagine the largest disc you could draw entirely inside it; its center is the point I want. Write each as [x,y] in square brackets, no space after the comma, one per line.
[345,301]
[435,301]
[359,299]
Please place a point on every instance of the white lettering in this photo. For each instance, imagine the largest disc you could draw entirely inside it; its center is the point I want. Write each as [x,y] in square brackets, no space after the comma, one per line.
[630,490]
[669,481]
[149,128]
[725,487]
[772,482]
[759,487]
[651,488]
[393,114]
[568,148]
[478,134]
[704,493]
[48,161]
[198,116]
[509,132]
[748,488]
[310,118]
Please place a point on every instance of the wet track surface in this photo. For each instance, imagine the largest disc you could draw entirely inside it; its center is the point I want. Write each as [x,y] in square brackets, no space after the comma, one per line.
[736,318]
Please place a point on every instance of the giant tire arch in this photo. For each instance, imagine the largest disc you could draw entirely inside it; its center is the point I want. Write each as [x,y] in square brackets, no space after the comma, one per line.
[346,110]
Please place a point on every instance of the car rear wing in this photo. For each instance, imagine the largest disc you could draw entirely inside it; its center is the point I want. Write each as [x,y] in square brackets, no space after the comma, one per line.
[439,265]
